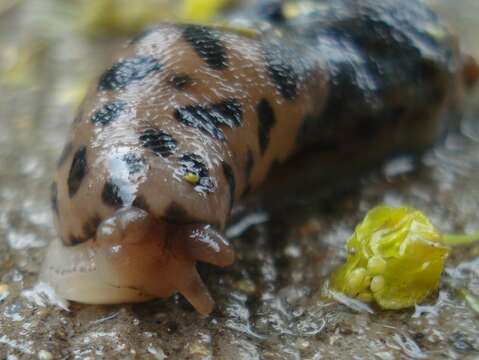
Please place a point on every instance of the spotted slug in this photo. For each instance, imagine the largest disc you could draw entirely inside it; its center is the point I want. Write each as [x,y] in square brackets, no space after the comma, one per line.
[189,118]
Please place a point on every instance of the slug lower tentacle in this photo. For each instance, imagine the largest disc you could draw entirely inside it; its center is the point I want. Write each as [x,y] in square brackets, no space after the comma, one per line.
[188,118]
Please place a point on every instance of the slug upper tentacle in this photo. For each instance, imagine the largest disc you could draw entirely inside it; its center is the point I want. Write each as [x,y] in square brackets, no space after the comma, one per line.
[188,118]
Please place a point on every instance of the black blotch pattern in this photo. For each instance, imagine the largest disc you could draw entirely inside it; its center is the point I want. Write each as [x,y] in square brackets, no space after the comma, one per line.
[266,121]
[126,71]
[90,227]
[208,119]
[108,113]
[176,214]
[54,197]
[282,72]
[158,141]
[207,45]
[77,171]
[194,164]
[134,162]
[67,149]
[230,179]
[229,113]
[199,117]
[181,81]
[111,194]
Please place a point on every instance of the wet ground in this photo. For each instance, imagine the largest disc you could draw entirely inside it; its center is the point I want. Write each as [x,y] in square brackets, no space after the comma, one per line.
[268,304]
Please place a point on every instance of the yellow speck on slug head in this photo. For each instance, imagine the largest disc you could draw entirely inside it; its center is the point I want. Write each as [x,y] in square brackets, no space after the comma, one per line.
[193,179]
[395,258]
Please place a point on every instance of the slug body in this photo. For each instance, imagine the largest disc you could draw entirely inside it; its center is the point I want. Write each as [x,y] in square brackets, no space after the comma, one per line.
[189,118]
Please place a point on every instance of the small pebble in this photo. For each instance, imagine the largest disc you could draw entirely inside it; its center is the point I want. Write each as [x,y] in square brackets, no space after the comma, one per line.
[303,344]
[246,286]
[45,355]
[198,348]
[4,291]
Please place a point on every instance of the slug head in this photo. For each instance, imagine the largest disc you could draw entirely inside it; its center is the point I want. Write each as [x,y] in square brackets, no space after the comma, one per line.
[135,251]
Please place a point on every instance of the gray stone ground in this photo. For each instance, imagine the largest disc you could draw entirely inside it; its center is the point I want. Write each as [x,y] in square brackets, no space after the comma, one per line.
[268,303]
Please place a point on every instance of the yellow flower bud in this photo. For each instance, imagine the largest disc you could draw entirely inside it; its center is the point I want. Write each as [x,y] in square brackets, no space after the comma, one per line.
[398,258]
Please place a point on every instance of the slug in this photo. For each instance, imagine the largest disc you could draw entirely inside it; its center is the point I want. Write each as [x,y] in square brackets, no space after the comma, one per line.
[189,118]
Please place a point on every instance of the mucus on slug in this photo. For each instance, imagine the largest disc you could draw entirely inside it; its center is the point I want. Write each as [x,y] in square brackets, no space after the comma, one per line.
[189,117]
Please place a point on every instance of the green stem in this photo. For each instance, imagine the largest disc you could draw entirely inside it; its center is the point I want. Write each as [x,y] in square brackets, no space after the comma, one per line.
[456,239]
[470,299]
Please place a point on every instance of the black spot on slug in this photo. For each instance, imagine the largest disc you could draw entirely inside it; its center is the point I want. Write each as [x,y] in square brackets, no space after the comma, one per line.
[158,141]
[65,153]
[111,194]
[77,171]
[54,197]
[207,45]
[266,121]
[181,81]
[198,117]
[126,71]
[194,164]
[134,162]
[282,72]
[228,112]
[208,119]
[176,214]
[230,179]
[108,113]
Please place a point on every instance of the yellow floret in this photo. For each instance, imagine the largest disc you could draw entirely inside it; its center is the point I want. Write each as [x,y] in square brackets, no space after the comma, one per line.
[376,265]
[395,258]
